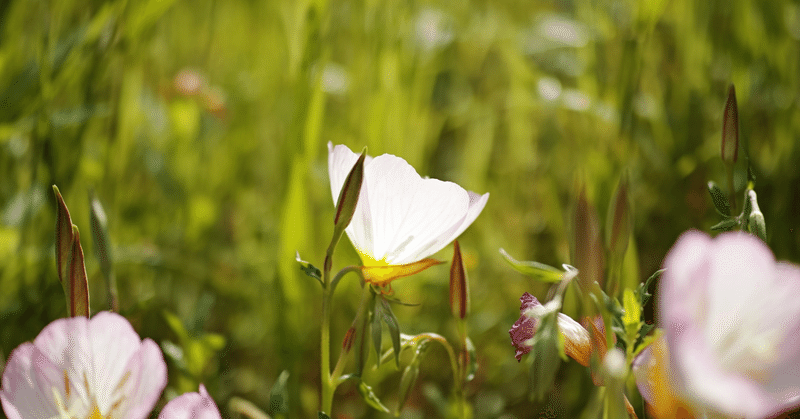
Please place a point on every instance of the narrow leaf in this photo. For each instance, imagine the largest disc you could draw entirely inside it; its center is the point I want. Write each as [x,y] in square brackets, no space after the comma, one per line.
[279,395]
[719,199]
[369,396]
[377,332]
[724,225]
[102,249]
[308,268]
[407,381]
[78,284]
[472,361]
[394,328]
[536,270]
[63,236]
[544,357]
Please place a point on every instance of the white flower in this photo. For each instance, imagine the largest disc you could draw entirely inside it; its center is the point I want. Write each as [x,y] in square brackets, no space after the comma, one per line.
[401,218]
[85,369]
[731,317]
[191,406]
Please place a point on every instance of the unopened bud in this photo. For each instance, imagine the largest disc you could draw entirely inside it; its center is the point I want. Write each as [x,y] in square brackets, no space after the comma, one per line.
[78,288]
[459,286]
[588,256]
[730,128]
[619,223]
[756,224]
[349,338]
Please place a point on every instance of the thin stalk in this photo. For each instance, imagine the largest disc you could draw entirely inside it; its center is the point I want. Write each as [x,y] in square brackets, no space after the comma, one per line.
[731,191]
[363,307]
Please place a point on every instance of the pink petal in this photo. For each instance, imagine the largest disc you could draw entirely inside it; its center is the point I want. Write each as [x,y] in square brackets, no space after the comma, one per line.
[732,323]
[525,327]
[191,406]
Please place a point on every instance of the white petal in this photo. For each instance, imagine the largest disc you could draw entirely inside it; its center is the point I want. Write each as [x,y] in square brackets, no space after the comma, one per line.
[113,343]
[146,378]
[66,344]
[22,397]
[340,162]
[411,217]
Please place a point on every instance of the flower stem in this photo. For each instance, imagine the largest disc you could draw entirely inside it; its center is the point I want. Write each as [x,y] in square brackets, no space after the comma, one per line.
[731,191]
[325,349]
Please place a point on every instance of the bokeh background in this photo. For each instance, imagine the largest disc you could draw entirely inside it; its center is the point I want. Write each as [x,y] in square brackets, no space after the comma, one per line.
[202,127]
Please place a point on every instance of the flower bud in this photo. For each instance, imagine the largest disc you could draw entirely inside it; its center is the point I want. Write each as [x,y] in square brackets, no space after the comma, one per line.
[730,128]
[459,286]
[619,221]
[78,294]
[755,222]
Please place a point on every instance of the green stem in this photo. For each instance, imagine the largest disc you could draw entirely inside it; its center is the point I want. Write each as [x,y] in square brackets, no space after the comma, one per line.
[363,308]
[325,349]
[731,191]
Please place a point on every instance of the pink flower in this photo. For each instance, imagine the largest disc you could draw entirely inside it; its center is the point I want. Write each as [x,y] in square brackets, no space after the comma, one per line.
[577,342]
[731,317]
[191,406]
[82,368]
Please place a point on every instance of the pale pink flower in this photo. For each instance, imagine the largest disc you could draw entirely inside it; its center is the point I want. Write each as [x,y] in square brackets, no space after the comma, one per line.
[401,218]
[82,368]
[731,317]
[191,406]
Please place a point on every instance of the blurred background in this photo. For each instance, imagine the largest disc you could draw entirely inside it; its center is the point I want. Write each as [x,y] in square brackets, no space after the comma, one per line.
[202,127]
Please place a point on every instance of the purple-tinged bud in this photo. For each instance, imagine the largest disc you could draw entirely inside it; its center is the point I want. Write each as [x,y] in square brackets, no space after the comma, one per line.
[459,285]
[78,288]
[730,128]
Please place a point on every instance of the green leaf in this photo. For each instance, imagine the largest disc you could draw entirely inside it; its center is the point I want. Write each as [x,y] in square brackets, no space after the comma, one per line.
[394,328]
[407,381]
[102,249]
[321,415]
[536,270]
[719,199]
[472,365]
[279,395]
[544,357]
[369,396]
[725,225]
[308,268]
[63,237]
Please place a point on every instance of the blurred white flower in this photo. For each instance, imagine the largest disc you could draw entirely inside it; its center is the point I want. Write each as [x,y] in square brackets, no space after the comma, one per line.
[401,218]
[191,406]
[82,368]
[731,317]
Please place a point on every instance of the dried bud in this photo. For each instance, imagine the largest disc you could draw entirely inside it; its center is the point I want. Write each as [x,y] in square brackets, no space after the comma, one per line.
[78,288]
[349,338]
[619,223]
[730,128]
[459,286]
[588,256]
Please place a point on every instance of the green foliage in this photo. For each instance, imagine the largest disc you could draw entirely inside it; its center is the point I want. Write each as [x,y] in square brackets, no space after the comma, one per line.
[202,128]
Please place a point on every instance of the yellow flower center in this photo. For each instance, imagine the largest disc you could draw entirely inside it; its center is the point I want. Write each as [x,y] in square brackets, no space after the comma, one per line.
[380,273]
[95,413]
